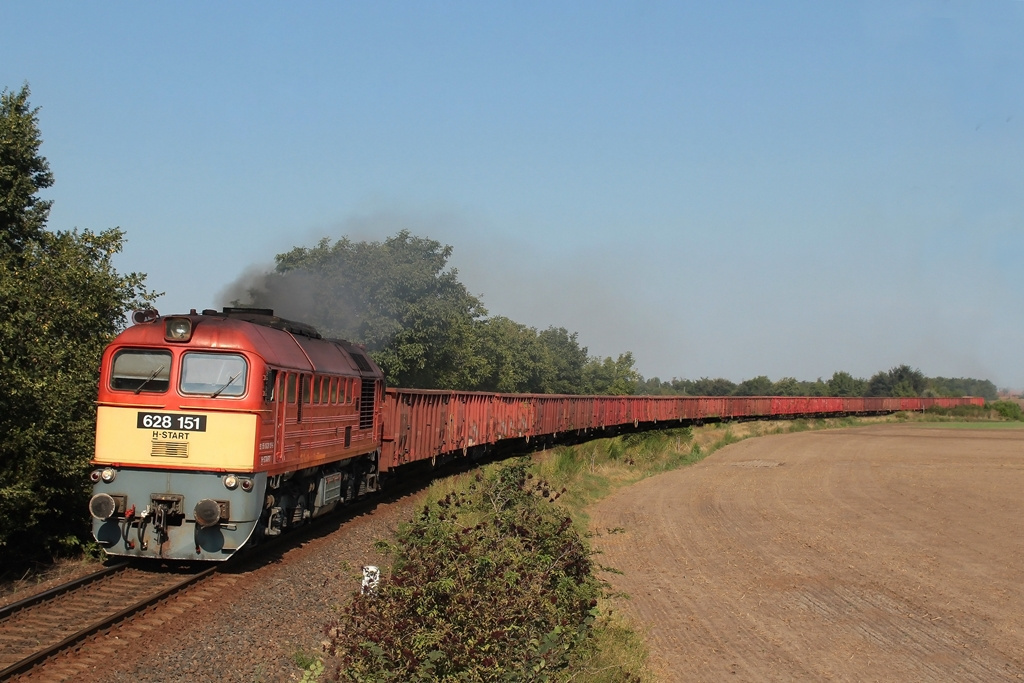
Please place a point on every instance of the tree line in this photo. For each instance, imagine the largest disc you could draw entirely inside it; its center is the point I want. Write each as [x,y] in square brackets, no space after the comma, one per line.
[901,381]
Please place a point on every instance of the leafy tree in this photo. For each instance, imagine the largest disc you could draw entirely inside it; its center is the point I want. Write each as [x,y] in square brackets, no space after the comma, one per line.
[655,387]
[963,386]
[23,173]
[396,297]
[565,360]
[755,386]
[706,386]
[844,384]
[788,386]
[518,359]
[611,377]
[61,301]
[901,380]
[515,358]
[907,381]
[880,384]
[815,388]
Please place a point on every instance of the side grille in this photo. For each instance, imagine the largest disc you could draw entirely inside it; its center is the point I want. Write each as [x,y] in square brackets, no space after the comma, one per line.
[169,449]
[367,395]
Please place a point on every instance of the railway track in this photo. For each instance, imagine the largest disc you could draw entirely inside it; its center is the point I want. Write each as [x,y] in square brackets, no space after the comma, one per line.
[35,629]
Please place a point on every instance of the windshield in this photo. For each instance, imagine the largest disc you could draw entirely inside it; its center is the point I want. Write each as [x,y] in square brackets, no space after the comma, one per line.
[139,370]
[213,374]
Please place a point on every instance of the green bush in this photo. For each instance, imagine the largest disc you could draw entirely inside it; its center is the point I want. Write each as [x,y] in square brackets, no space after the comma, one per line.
[487,584]
[968,412]
[1008,410]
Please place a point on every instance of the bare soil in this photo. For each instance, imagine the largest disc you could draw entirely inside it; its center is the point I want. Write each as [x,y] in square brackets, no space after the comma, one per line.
[884,553]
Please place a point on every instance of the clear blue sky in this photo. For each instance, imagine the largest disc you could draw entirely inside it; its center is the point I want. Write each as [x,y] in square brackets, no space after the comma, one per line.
[722,188]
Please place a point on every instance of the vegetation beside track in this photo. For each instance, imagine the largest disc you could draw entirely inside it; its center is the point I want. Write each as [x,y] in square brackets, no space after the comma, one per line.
[489,582]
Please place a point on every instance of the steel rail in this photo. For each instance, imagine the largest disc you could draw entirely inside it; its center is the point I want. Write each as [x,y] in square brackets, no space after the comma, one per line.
[41,655]
[45,596]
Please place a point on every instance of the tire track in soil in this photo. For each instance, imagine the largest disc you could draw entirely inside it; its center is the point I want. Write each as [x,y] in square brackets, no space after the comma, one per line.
[880,553]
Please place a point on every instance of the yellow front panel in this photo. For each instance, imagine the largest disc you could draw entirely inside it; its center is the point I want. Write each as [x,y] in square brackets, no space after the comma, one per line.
[175,438]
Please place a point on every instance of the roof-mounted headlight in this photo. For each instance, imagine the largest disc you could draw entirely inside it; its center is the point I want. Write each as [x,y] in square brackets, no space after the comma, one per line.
[177,329]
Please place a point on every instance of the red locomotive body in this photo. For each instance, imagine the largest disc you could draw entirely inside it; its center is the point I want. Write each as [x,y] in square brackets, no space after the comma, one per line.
[213,427]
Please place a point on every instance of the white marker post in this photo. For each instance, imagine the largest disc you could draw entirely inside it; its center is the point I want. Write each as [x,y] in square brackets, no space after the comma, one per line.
[371,579]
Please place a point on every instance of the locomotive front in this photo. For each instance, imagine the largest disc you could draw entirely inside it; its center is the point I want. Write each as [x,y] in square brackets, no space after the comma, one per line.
[178,425]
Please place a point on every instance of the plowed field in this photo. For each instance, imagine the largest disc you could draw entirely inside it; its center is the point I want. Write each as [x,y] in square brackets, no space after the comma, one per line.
[884,553]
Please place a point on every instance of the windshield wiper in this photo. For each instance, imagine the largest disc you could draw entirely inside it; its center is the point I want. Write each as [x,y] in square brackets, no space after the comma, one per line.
[217,393]
[149,379]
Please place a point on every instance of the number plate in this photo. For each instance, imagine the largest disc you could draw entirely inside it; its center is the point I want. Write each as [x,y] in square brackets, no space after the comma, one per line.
[175,421]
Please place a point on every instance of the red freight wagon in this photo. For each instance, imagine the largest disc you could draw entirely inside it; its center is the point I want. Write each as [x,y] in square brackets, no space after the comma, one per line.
[712,407]
[422,424]
[215,427]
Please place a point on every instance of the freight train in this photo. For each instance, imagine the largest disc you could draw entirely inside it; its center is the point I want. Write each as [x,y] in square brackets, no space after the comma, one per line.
[217,429]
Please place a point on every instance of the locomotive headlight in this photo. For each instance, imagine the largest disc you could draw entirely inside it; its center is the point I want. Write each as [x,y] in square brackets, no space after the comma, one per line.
[231,481]
[108,474]
[177,329]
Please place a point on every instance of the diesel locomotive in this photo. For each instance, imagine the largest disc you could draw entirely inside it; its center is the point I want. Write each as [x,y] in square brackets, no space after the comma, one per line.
[215,427]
